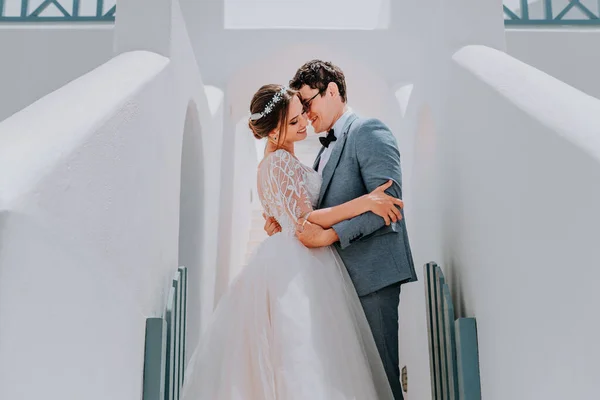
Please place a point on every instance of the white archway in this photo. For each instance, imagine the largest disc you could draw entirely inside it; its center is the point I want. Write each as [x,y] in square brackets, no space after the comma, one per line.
[191,222]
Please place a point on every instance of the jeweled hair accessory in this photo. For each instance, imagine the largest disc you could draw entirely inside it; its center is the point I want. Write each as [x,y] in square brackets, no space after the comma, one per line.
[269,107]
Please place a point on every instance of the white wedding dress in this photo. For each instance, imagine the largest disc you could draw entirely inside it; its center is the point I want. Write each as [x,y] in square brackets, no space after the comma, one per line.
[290,326]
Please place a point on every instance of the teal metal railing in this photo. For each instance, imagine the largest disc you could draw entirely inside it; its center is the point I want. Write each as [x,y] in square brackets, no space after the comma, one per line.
[57,11]
[164,358]
[548,12]
[70,11]
[453,351]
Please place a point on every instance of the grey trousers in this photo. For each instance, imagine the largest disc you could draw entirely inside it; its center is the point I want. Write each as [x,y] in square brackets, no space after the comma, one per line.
[381,310]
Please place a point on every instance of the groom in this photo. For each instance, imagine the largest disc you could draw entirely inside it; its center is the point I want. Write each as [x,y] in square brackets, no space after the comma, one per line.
[357,156]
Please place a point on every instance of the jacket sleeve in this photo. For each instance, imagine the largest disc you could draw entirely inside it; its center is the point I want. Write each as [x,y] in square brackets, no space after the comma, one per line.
[379,161]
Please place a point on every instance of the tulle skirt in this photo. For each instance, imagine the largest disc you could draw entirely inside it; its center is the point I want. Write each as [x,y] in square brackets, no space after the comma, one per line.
[290,327]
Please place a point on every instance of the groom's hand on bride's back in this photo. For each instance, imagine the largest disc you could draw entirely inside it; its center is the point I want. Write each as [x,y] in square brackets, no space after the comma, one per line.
[271,225]
[384,205]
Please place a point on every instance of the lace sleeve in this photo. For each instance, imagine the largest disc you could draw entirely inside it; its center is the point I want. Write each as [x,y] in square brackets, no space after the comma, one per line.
[283,189]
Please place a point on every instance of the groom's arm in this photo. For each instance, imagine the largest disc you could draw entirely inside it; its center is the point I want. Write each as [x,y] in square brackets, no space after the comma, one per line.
[379,161]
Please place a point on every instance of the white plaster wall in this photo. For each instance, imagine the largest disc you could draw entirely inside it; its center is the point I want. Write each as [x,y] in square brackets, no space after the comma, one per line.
[420,169]
[445,28]
[422,198]
[522,158]
[563,53]
[371,92]
[95,179]
[89,200]
[163,30]
[212,174]
[40,58]
[209,105]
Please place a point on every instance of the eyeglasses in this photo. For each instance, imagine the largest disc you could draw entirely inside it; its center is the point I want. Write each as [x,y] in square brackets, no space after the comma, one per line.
[306,104]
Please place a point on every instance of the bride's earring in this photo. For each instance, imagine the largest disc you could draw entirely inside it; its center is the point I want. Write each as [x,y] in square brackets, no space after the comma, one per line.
[273,139]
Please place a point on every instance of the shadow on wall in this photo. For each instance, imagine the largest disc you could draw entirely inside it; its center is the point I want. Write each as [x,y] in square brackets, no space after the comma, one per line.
[403,95]
[191,220]
[562,53]
[25,49]
[406,103]
[424,225]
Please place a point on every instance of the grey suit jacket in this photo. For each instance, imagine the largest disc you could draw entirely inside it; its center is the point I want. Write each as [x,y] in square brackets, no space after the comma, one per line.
[365,157]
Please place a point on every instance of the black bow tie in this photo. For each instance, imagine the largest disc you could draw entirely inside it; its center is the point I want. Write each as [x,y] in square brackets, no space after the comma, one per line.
[328,139]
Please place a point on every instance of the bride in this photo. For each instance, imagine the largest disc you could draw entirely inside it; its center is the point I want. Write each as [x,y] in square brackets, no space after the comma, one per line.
[291,325]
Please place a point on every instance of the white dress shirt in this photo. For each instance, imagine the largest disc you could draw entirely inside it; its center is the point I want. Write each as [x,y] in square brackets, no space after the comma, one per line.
[337,132]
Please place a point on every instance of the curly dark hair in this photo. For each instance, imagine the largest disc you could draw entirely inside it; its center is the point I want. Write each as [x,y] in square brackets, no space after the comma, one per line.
[317,74]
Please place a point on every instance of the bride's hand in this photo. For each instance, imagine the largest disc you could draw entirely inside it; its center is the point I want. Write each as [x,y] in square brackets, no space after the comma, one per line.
[384,205]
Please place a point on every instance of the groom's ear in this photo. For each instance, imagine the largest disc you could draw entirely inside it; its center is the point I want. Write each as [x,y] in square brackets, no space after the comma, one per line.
[333,89]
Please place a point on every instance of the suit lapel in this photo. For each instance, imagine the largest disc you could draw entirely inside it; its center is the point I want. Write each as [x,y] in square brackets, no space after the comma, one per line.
[334,159]
[318,159]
